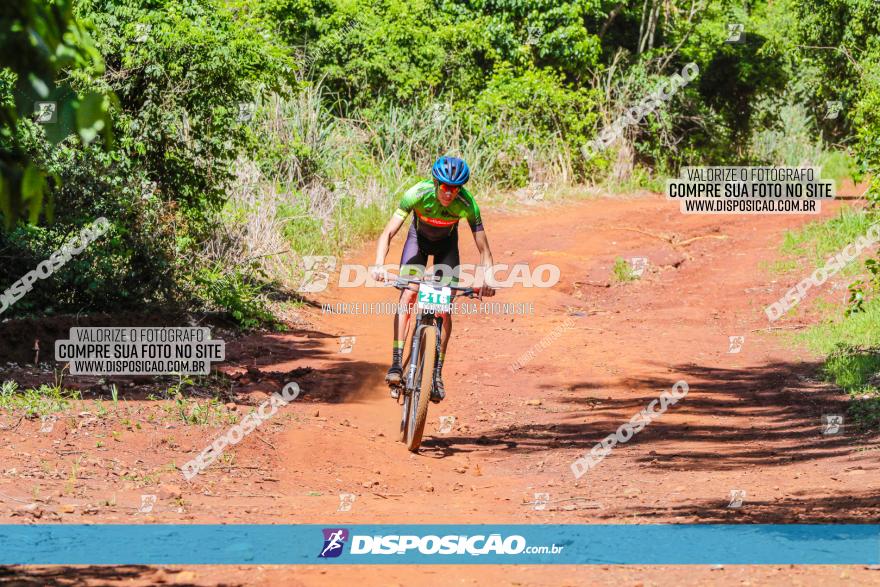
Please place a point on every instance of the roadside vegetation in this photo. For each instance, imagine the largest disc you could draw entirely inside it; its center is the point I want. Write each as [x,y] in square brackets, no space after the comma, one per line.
[56,399]
[849,335]
[224,140]
[41,401]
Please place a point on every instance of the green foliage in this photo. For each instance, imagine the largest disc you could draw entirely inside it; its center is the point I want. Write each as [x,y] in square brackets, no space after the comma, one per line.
[38,41]
[181,69]
[192,412]
[841,38]
[354,100]
[861,290]
[856,371]
[623,271]
[851,367]
[866,116]
[131,264]
[234,292]
[41,401]
[539,99]
[398,51]
[817,240]
[853,362]
[860,329]
[789,137]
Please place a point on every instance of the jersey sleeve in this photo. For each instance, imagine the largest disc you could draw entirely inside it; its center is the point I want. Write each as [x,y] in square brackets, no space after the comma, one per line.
[408,201]
[473,217]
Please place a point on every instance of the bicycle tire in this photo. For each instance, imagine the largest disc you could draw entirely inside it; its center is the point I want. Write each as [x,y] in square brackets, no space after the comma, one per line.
[404,418]
[421,395]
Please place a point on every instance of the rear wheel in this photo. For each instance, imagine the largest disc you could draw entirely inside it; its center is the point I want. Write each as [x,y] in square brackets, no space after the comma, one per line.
[423,383]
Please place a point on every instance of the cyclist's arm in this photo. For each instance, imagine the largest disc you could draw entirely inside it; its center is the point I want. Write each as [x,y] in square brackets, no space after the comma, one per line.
[486,260]
[407,203]
[384,243]
[482,241]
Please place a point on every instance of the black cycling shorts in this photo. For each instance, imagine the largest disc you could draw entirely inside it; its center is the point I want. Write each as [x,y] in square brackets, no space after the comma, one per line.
[418,248]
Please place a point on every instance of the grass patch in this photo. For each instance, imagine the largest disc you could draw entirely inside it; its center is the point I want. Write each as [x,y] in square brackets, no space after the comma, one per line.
[855,370]
[779,266]
[195,413]
[852,346]
[851,343]
[837,165]
[46,399]
[852,368]
[818,240]
[623,271]
[860,330]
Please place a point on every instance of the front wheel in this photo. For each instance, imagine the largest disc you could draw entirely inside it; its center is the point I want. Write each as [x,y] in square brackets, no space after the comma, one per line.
[406,397]
[421,393]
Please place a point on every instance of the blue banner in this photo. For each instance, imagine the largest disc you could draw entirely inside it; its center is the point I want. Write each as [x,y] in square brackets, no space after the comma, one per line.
[593,544]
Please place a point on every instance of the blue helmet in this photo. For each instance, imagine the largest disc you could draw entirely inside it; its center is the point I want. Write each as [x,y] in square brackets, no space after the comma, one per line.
[451,171]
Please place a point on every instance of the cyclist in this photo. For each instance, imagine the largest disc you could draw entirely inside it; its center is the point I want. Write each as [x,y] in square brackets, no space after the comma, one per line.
[437,205]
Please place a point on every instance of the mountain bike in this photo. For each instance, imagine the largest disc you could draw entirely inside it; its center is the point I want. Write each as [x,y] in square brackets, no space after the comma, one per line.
[423,348]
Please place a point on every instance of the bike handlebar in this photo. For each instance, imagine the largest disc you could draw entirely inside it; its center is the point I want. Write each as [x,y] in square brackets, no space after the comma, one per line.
[406,282]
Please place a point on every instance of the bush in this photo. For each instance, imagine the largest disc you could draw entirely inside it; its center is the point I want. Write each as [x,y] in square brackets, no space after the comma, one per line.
[180,69]
[235,292]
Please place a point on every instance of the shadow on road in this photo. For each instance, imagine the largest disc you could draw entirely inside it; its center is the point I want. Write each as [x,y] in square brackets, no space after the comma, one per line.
[32,576]
[849,508]
[736,399]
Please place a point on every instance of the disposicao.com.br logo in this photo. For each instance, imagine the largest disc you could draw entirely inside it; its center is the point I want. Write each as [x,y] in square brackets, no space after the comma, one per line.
[454,544]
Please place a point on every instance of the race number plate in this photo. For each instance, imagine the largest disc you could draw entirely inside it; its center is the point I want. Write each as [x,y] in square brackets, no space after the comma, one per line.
[434,299]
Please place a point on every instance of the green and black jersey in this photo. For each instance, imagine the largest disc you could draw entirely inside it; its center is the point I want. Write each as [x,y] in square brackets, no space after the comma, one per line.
[434,220]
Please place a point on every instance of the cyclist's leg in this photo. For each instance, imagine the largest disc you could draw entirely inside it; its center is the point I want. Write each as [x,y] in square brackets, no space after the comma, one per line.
[449,259]
[412,263]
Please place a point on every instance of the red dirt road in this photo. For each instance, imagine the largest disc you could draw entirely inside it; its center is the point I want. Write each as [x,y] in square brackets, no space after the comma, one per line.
[750,422]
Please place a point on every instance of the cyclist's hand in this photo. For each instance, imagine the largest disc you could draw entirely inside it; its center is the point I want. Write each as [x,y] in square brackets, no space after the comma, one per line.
[378,274]
[482,289]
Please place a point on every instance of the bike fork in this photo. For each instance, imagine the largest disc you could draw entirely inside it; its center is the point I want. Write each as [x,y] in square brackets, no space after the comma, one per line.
[414,357]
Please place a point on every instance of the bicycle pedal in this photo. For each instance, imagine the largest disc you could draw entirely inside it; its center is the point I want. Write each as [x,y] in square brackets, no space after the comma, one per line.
[400,392]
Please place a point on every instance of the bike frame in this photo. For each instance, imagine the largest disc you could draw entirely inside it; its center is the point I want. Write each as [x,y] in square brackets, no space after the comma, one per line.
[421,320]
[414,405]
